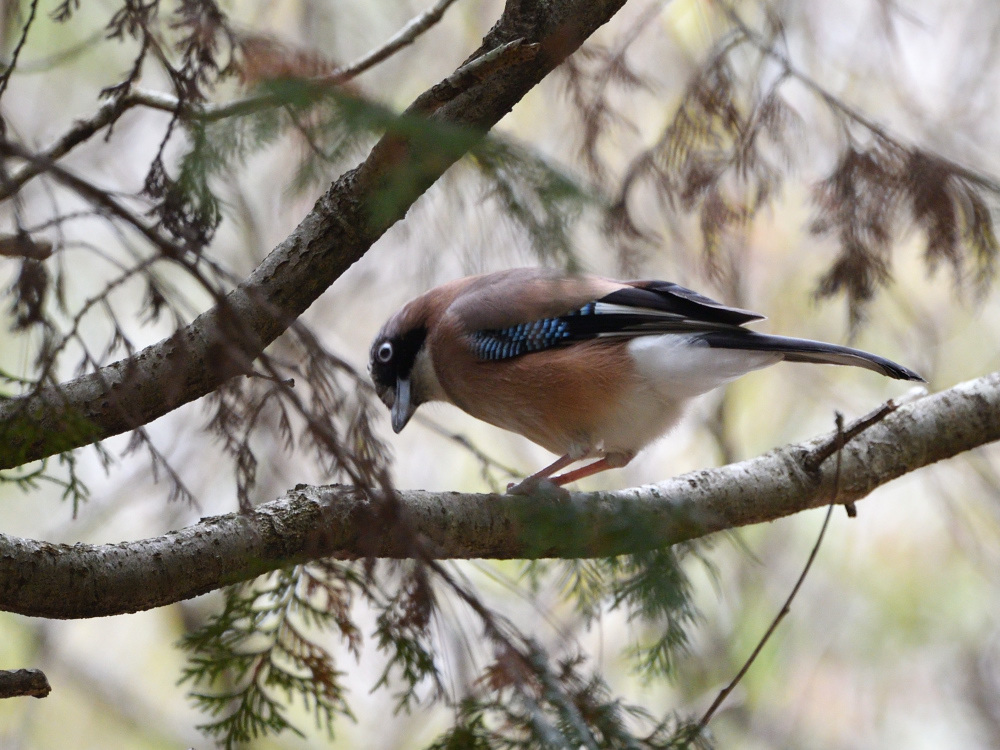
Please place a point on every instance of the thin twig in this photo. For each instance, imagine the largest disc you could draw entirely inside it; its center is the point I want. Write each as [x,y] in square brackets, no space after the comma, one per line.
[787,607]
[818,455]
[95,195]
[103,200]
[405,36]
[257,102]
[5,76]
[110,112]
[80,132]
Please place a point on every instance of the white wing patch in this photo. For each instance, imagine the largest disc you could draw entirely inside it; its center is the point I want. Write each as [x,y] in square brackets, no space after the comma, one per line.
[610,308]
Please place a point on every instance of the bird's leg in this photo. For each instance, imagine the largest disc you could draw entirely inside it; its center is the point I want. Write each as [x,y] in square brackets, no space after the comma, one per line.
[610,461]
[530,484]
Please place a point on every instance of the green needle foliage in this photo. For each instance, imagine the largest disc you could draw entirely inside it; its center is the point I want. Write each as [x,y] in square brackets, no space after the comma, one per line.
[265,651]
[259,654]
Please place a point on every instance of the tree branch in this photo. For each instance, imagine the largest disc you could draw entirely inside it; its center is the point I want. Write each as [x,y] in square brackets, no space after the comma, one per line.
[357,209]
[81,131]
[21,682]
[307,523]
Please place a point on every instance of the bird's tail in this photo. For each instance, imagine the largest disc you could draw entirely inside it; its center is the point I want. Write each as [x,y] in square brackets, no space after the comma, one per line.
[804,350]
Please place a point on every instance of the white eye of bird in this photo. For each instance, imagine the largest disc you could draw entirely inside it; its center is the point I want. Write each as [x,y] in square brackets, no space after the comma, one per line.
[384,353]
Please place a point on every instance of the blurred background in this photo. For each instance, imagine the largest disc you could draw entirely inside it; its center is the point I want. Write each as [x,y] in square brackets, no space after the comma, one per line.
[894,640]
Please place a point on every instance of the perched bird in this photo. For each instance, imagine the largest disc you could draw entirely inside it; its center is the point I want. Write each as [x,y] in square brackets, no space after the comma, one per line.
[587,367]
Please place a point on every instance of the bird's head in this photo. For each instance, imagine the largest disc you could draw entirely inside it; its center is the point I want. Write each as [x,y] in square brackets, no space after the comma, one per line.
[394,368]
[400,360]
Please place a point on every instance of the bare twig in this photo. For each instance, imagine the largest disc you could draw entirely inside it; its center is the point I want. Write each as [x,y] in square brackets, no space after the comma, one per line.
[104,201]
[23,682]
[5,76]
[110,112]
[405,36]
[822,452]
[320,84]
[81,131]
[93,194]
[787,606]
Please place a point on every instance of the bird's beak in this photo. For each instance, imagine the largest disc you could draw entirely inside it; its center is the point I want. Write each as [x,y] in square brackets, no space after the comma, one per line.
[402,405]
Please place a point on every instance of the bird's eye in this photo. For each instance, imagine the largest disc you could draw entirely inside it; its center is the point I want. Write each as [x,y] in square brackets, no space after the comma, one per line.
[384,353]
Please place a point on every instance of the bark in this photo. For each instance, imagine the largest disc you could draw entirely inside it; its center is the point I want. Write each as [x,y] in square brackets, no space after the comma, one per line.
[307,523]
[221,342]
[24,682]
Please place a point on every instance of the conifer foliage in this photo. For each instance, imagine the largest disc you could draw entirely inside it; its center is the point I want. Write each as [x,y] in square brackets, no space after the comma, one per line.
[272,386]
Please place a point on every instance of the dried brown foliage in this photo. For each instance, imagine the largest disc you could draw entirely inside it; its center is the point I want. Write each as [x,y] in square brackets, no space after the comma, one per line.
[723,156]
[733,141]
[264,58]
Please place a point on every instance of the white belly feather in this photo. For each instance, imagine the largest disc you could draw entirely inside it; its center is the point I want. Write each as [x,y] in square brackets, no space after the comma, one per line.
[681,366]
[672,368]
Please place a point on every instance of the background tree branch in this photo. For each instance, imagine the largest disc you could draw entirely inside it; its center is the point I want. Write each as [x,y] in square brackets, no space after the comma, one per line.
[343,224]
[60,581]
[24,682]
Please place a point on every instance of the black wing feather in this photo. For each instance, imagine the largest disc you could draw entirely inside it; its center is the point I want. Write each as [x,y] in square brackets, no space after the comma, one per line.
[644,308]
[674,298]
[806,350]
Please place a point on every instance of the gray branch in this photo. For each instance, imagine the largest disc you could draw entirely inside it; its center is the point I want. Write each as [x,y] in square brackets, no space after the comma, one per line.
[223,341]
[308,523]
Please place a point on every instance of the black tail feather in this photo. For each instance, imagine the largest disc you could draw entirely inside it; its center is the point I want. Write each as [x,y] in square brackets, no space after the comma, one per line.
[805,350]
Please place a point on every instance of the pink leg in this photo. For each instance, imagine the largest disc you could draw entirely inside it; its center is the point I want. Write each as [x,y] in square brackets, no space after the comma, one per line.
[530,484]
[611,461]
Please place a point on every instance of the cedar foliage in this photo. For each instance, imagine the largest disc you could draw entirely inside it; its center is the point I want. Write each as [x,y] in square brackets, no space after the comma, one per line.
[723,156]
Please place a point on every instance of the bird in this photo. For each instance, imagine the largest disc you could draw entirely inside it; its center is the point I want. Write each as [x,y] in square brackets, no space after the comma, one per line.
[585,366]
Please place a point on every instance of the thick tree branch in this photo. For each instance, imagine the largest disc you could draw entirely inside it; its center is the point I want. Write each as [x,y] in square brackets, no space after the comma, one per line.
[63,581]
[357,209]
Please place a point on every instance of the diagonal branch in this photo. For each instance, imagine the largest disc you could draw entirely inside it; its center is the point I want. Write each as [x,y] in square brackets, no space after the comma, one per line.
[81,131]
[309,523]
[356,210]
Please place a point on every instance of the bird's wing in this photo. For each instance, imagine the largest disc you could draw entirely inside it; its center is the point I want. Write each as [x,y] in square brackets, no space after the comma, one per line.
[630,309]
[654,298]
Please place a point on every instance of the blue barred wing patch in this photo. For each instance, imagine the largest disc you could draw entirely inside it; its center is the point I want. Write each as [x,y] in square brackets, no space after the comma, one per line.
[524,338]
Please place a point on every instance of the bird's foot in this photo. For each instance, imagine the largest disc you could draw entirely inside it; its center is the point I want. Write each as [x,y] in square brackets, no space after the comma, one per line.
[540,486]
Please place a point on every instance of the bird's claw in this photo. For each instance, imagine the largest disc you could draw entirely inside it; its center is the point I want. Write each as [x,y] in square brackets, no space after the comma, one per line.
[543,487]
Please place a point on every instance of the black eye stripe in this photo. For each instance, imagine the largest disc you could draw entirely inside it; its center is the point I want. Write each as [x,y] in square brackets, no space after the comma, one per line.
[402,352]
